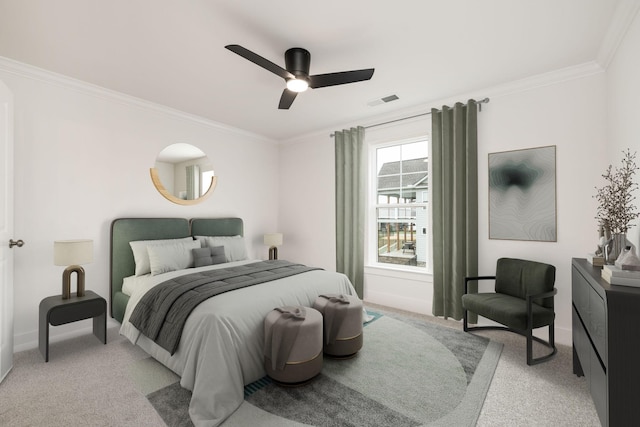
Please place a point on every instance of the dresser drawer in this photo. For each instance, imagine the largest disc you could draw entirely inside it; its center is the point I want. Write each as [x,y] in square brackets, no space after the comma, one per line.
[597,324]
[598,388]
[581,344]
[580,293]
[591,309]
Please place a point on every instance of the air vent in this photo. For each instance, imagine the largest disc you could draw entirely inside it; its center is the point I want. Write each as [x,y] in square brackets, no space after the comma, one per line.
[383,100]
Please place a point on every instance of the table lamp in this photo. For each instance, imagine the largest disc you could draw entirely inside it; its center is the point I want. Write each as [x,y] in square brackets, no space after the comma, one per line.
[72,253]
[273,240]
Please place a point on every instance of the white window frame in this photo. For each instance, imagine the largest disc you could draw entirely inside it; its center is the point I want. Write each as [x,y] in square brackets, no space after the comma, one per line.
[371,235]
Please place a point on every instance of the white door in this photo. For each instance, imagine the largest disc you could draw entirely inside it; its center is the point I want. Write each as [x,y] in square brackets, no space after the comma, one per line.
[6,230]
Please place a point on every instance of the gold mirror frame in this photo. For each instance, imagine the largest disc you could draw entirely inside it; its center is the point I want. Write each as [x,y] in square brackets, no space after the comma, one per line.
[155,178]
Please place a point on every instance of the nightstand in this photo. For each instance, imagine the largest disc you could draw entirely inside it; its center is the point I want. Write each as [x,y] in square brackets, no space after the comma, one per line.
[57,311]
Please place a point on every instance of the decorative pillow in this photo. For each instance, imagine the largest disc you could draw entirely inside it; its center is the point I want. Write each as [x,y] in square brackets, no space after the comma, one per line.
[208,256]
[165,258]
[141,255]
[201,257]
[217,255]
[234,248]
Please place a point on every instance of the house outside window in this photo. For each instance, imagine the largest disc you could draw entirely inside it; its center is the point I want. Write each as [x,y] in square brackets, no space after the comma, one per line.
[400,205]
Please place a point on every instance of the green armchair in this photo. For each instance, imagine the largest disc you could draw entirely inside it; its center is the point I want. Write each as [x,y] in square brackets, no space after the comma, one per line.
[522,301]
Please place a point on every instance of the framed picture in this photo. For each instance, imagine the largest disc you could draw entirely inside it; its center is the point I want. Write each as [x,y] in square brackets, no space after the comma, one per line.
[522,195]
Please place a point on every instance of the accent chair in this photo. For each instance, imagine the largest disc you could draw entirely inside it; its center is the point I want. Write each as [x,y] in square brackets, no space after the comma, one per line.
[522,301]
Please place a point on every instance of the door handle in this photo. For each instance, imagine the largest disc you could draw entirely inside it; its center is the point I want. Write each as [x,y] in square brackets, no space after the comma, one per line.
[19,243]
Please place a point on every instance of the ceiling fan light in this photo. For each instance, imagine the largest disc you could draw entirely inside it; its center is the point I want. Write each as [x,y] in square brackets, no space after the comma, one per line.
[297,85]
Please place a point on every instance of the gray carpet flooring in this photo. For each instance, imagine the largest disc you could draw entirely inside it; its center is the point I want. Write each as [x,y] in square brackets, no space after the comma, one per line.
[89,384]
[410,373]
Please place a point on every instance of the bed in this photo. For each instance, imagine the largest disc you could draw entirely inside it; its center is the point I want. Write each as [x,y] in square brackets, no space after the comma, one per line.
[220,349]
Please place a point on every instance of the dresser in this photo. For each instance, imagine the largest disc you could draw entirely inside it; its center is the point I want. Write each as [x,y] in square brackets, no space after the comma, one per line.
[606,343]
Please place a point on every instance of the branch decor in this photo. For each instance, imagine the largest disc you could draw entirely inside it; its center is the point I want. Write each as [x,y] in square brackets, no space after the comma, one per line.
[616,207]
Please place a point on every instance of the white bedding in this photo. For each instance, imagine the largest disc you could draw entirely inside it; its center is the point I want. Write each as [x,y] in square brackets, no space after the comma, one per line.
[221,346]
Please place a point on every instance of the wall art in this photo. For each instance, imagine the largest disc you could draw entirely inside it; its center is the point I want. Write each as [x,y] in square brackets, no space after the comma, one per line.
[522,194]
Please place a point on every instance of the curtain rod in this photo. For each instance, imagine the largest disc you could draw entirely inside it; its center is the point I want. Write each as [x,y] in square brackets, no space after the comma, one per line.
[482,101]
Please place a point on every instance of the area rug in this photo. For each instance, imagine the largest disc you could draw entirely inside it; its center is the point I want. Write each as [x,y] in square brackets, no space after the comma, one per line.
[408,373]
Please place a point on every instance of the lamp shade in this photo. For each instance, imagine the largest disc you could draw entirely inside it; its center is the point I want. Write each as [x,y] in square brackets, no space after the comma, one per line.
[72,252]
[273,239]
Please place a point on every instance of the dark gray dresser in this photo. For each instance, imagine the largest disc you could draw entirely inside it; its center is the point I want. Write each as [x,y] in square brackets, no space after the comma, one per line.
[606,343]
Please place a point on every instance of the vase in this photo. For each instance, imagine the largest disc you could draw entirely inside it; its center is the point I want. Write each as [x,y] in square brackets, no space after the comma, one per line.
[616,246]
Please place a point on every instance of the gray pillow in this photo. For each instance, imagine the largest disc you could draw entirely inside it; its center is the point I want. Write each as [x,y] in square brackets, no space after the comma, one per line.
[217,255]
[208,256]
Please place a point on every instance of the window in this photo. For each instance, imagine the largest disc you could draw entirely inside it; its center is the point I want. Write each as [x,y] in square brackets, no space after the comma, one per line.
[400,205]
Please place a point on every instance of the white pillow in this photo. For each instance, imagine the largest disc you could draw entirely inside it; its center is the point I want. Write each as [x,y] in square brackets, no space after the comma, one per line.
[141,256]
[171,257]
[234,247]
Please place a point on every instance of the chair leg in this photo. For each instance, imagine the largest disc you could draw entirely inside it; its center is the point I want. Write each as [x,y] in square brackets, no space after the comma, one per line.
[465,323]
[551,344]
[529,346]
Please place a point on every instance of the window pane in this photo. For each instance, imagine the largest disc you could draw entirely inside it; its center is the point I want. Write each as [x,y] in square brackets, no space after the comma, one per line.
[402,238]
[402,173]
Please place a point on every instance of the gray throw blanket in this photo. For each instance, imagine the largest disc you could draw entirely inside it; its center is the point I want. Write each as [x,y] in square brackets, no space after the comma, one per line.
[279,342]
[163,311]
[334,313]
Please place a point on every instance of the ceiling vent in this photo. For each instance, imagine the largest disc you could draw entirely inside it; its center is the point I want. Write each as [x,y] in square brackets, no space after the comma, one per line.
[383,100]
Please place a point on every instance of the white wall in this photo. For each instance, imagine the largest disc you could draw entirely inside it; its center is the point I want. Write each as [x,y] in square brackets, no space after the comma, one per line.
[82,159]
[568,112]
[570,115]
[623,93]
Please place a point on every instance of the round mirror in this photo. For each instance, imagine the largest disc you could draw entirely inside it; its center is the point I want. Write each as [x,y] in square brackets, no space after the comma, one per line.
[183,174]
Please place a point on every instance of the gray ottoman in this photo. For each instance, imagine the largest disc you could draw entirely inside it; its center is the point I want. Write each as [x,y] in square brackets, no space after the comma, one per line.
[293,344]
[342,317]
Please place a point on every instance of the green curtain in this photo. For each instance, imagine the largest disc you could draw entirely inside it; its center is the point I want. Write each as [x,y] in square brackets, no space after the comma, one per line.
[350,204]
[455,206]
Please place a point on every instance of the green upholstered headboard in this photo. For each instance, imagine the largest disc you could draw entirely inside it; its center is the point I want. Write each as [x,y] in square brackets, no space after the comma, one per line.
[217,227]
[125,230]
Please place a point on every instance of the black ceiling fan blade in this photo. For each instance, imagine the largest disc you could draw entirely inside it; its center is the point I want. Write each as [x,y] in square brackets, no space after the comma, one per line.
[260,61]
[340,78]
[287,99]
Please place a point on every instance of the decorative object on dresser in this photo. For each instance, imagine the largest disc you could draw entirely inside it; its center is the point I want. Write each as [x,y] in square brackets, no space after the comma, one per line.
[273,240]
[616,205]
[522,301]
[628,260]
[605,343]
[72,253]
[617,276]
[598,258]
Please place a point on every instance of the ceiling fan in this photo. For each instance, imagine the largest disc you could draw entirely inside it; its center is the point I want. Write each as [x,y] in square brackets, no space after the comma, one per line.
[296,74]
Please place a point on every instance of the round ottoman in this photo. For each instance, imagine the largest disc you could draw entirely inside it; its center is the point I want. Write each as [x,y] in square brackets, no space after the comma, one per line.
[293,344]
[342,316]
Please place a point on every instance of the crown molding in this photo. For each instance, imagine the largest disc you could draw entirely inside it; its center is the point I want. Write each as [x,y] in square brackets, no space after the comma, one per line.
[545,79]
[623,17]
[48,77]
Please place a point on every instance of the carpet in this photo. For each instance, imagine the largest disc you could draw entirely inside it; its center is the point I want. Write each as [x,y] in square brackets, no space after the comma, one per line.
[409,373]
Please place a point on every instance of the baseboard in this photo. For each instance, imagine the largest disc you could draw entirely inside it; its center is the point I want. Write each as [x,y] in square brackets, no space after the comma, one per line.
[402,303]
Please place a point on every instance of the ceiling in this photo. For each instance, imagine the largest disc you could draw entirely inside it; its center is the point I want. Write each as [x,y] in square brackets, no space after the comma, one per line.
[172,52]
